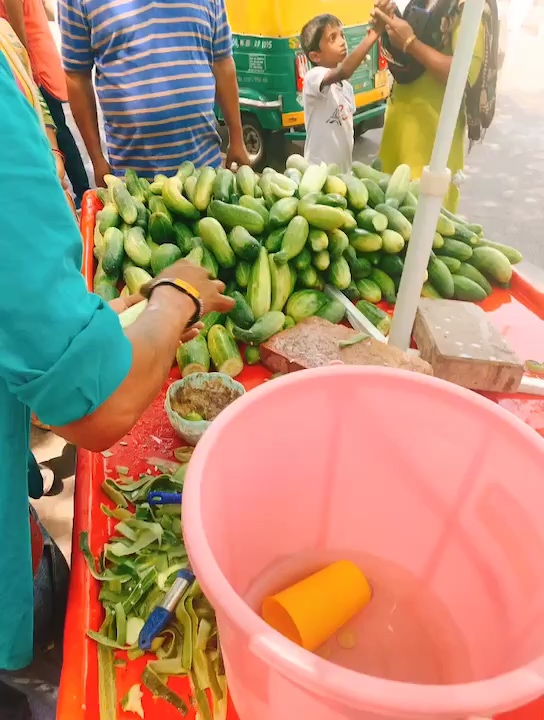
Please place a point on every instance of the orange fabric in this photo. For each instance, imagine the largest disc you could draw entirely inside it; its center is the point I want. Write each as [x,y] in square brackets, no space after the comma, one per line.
[44,56]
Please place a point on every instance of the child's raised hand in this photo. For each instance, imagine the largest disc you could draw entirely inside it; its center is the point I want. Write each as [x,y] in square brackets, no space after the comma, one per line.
[388,8]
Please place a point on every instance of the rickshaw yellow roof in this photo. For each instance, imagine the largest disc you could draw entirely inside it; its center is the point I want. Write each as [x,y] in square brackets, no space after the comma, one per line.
[284,18]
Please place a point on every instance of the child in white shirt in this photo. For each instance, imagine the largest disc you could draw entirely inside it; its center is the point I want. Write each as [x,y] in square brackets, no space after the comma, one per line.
[329,101]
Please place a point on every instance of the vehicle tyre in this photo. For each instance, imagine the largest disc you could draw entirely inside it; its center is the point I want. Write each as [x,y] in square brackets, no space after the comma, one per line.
[256,140]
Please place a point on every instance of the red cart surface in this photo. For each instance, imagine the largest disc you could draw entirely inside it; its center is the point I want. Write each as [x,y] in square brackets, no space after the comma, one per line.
[518,314]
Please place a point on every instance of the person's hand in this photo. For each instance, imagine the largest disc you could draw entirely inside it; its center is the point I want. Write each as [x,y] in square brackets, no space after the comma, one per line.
[399,30]
[388,7]
[238,154]
[120,304]
[100,168]
[210,291]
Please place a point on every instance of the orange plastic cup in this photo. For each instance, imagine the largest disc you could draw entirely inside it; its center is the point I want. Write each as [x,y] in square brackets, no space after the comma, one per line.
[313,610]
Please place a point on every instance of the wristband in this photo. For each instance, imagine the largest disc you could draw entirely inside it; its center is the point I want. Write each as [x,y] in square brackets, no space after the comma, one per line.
[408,42]
[182,287]
[59,153]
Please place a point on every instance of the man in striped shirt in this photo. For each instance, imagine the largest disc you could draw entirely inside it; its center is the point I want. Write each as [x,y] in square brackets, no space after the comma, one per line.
[158,66]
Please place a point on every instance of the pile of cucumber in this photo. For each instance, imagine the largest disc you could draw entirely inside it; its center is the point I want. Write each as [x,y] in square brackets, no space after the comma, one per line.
[277,239]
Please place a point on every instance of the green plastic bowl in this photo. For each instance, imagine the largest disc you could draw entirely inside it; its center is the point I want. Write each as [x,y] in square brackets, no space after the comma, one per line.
[191,431]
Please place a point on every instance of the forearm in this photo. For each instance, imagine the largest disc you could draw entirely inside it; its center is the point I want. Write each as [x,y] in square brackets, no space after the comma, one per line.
[228,96]
[155,338]
[16,18]
[83,106]
[52,137]
[346,69]
[434,61]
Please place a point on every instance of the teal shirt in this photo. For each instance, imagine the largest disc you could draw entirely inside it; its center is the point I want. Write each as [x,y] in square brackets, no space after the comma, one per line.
[62,350]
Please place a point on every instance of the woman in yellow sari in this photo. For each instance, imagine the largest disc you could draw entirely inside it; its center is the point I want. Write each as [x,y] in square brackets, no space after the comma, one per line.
[19,62]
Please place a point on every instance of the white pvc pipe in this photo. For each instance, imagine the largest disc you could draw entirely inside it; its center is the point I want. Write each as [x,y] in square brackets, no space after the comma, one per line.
[457,82]
[435,180]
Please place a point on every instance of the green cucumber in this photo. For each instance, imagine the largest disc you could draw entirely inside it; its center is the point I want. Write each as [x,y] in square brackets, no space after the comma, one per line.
[243,274]
[350,223]
[114,251]
[135,278]
[259,290]
[124,201]
[176,202]
[304,304]
[376,195]
[241,313]
[132,182]
[223,185]
[323,217]
[183,237]
[430,292]
[244,245]
[252,355]
[246,180]
[339,273]
[262,330]
[193,356]
[189,188]
[378,317]
[108,217]
[106,291]
[392,265]
[185,170]
[386,285]
[313,180]
[333,311]
[396,220]
[452,264]
[303,260]
[211,319]
[440,277]
[231,216]
[294,240]
[160,228]
[282,212]
[215,239]
[308,278]
[338,242]
[369,291]
[204,188]
[318,240]
[364,171]
[258,206]
[372,221]
[364,241]
[475,275]
[273,241]
[280,283]
[359,267]
[321,260]
[398,186]
[513,255]
[357,192]
[392,242]
[455,249]
[465,235]
[224,351]
[466,289]
[136,247]
[491,262]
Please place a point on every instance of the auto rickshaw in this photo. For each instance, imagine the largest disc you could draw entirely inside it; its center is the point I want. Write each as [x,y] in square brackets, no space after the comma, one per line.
[271,67]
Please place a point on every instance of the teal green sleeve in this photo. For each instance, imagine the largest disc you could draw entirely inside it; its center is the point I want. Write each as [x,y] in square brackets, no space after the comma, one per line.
[62,349]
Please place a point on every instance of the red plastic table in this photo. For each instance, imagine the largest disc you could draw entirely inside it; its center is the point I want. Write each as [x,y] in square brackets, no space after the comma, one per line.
[518,314]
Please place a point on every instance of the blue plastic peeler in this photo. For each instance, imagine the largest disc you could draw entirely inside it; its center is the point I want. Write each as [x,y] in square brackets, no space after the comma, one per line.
[158,497]
[161,615]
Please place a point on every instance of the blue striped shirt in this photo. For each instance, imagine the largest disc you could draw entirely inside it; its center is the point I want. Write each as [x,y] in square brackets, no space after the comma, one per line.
[154,76]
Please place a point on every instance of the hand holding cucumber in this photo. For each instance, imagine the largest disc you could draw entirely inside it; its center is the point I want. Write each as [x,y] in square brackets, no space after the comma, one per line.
[210,291]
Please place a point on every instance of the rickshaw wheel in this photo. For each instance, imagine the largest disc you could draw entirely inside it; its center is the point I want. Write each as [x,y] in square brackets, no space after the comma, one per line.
[255,140]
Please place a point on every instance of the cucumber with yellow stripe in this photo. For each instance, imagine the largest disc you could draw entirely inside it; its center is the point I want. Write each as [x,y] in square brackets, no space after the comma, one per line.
[396,220]
[215,239]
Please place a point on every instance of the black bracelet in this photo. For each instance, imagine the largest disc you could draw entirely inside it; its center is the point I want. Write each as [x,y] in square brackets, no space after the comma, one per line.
[184,288]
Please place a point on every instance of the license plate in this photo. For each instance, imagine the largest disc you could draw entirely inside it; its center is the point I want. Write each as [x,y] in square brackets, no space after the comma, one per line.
[380,79]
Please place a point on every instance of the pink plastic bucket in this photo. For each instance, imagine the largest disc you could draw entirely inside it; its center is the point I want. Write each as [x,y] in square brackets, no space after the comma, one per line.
[406,467]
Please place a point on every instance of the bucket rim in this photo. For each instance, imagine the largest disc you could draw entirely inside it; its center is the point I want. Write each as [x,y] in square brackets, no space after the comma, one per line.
[498,694]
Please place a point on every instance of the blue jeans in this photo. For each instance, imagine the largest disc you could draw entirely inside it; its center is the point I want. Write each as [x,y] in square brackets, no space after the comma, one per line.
[31,693]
